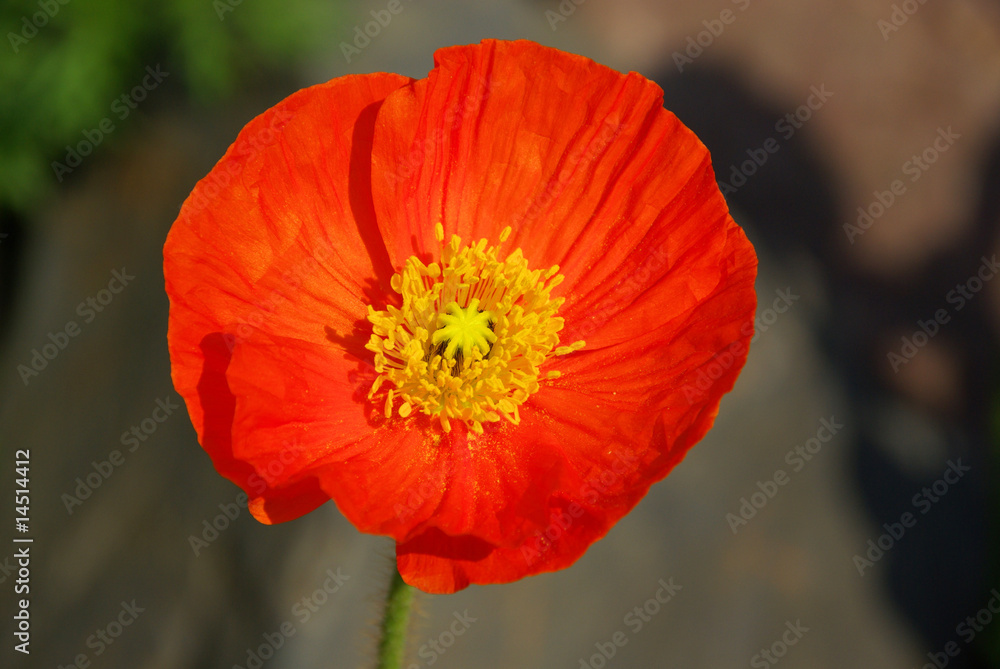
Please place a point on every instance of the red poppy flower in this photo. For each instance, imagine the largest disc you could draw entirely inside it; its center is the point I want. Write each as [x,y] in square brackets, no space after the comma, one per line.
[482,311]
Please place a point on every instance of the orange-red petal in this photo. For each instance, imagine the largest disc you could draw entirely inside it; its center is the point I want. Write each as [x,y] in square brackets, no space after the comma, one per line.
[279,237]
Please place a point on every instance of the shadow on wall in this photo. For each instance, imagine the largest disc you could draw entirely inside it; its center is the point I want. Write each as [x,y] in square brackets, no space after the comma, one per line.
[921,453]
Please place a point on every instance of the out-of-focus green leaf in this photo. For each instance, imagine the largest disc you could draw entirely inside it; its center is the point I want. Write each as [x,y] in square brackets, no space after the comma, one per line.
[62,68]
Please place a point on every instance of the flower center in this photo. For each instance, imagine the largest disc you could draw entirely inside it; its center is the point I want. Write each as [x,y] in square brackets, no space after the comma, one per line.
[461,329]
[471,337]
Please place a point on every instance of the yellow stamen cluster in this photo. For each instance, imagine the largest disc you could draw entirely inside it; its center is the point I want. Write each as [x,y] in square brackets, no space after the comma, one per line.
[471,337]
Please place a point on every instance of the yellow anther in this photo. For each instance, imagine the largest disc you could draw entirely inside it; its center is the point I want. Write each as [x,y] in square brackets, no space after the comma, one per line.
[471,335]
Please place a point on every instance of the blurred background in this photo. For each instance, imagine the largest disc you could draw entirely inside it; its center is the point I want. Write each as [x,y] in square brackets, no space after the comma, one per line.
[840,513]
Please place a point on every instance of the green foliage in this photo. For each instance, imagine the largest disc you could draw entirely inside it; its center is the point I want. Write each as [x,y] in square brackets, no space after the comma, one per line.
[63,65]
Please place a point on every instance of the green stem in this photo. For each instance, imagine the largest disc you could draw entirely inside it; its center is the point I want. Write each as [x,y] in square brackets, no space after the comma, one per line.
[392,647]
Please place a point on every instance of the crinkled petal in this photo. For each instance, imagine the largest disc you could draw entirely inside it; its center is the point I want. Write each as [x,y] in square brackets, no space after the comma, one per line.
[279,237]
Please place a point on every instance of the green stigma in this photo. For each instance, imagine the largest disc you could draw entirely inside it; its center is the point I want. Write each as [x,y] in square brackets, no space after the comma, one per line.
[464,329]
